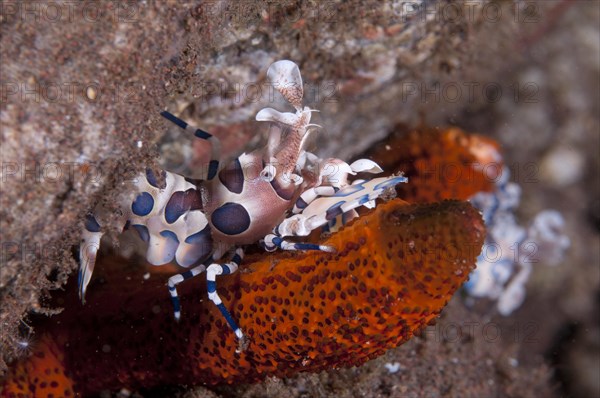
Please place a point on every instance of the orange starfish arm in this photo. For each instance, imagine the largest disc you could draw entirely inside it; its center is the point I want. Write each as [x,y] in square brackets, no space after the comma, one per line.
[441,164]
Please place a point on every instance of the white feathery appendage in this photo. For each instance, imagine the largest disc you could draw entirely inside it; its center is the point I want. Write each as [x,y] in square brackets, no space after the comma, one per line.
[285,77]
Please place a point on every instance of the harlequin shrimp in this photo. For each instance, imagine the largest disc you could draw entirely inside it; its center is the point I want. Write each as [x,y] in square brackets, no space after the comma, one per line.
[264,196]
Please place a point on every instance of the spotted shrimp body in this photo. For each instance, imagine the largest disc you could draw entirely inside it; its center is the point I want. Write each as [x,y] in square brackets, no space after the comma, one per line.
[264,196]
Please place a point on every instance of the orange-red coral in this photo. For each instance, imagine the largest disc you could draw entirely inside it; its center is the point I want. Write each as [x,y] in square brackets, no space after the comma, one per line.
[395,269]
[441,164]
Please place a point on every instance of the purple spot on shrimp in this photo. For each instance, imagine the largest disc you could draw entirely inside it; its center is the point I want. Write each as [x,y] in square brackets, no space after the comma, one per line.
[231,219]
[232,177]
[91,224]
[182,202]
[142,205]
